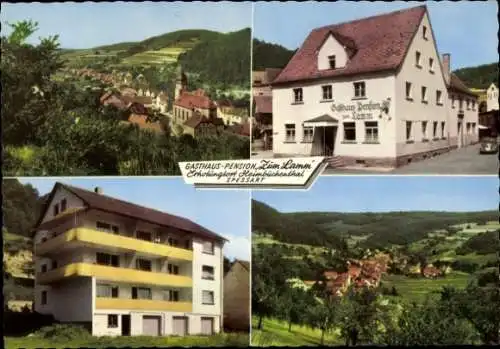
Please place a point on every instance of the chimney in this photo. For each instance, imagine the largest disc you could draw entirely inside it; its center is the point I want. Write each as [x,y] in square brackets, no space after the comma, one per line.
[446,66]
[98,190]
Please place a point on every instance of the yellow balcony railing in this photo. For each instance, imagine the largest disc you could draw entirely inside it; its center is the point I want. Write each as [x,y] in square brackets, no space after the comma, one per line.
[100,238]
[107,273]
[142,304]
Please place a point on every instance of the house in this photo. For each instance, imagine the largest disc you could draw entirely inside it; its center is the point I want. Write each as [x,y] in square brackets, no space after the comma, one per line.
[187,103]
[262,79]
[241,129]
[231,113]
[492,98]
[431,272]
[237,297]
[370,92]
[198,125]
[123,269]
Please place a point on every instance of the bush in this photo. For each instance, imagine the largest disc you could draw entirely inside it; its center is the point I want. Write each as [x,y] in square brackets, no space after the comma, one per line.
[63,332]
[22,323]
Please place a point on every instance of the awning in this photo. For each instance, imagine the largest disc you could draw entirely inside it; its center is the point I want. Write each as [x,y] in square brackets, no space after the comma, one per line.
[321,121]
[482,127]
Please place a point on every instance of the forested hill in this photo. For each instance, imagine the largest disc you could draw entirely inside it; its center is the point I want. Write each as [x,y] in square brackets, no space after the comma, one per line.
[224,58]
[479,77]
[382,229]
[267,55]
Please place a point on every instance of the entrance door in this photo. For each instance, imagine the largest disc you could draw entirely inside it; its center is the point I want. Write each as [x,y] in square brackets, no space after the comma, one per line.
[460,134]
[125,325]
[180,325]
[151,325]
[329,140]
[207,326]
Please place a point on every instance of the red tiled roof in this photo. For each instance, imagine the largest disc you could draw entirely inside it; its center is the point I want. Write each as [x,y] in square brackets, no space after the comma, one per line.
[458,85]
[193,100]
[195,120]
[263,104]
[142,122]
[145,100]
[377,43]
[106,203]
[241,129]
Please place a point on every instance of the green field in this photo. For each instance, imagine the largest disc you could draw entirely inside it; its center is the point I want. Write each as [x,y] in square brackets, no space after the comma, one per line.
[416,289]
[275,333]
[161,56]
[240,340]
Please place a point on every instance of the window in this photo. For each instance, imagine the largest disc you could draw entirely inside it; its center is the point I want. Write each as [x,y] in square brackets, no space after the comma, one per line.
[359,89]
[473,105]
[297,95]
[307,136]
[290,133]
[434,129]
[439,97]
[473,127]
[468,126]
[173,241]
[460,104]
[208,297]
[44,297]
[107,259]
[208,247]
[63,205]
[54,264]
[141,293]
[424,32]
[350,131]
[207,272]
[431,65]
[408,130]
[109,228]
[173,269]
[171,295]
[144,235]
[143,264]
[331,62]
[327,92]
[442,129]
[56,209]
[112,321]
[187,244]
[424,94]
[106,291]
[468,104]
[417,59]
[371,131]
[44,268]
[453,102]
[408,90]
[424,130]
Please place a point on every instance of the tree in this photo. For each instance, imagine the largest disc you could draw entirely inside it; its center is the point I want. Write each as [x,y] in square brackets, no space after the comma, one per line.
[322,314]
[292,305]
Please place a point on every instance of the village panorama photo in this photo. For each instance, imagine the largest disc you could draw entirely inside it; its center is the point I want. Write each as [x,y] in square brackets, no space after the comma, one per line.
[87,90]
[378,87]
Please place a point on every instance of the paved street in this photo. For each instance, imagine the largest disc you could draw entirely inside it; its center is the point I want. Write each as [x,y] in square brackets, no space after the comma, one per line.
[464,161]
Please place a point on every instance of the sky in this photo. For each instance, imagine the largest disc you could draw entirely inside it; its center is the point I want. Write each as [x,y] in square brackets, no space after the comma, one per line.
[89,24]
[466,29]
[224,212]
[388,193]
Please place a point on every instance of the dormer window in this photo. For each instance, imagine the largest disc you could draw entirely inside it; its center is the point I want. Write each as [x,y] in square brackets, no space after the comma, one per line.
[424,32]
[331,62]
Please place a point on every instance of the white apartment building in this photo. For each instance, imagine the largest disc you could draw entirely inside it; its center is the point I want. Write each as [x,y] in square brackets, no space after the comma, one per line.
[123,269]
[370,92]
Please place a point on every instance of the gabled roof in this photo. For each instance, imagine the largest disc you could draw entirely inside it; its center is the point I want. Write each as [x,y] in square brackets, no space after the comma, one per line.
[194,99]
[244,264]
[458,85]
[115,206]
[377,44]
[322,118]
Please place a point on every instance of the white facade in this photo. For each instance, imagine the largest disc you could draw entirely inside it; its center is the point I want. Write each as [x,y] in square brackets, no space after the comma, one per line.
[73,299]
[492,98]
[379,118]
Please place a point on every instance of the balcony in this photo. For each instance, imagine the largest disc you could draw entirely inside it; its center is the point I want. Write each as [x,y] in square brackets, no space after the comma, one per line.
[99,238]
[142,304]
[115,274]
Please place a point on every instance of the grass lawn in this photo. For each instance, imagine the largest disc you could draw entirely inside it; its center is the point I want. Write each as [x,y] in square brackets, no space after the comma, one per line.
[241,340]
[275,333]
[417,288]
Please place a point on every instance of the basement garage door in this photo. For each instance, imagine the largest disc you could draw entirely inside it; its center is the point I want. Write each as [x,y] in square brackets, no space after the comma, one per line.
[151,325]
[180,325]
[207,326]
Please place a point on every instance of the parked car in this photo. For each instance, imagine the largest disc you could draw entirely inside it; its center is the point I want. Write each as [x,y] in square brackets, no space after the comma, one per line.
[489,145]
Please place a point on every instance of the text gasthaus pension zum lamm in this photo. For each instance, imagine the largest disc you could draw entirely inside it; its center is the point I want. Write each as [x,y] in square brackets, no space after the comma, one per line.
[247,172]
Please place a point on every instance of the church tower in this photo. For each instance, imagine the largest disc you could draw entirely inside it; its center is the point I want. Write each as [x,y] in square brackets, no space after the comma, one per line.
[180,82]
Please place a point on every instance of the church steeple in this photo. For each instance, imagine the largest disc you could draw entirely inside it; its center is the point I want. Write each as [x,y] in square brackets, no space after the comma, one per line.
[180,81]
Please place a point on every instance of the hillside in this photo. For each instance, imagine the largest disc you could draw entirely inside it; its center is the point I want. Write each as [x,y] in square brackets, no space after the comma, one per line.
[268,55]
[479,77]
[214,57]
[373,230]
